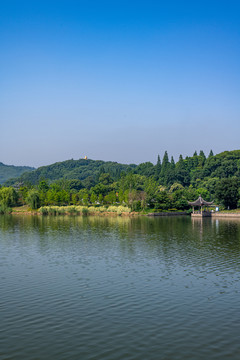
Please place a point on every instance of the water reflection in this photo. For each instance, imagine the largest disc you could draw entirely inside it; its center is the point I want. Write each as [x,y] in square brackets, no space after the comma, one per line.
[119,288]
[181,235]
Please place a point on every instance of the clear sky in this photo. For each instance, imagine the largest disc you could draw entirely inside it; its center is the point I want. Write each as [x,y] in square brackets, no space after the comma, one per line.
[118,80]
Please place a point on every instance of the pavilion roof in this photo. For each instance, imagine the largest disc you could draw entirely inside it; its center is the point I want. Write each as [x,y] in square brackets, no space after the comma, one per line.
[200,202]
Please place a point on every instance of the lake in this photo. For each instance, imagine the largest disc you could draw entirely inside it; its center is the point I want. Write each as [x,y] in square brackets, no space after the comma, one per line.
[119,288]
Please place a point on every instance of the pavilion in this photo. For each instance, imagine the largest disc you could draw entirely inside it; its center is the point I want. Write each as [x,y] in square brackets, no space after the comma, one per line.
[200,203]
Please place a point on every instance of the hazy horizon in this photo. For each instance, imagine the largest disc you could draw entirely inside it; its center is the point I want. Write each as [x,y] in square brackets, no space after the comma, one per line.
[118,81]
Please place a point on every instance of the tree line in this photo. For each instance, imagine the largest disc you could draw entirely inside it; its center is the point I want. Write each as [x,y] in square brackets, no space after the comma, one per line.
[164,186]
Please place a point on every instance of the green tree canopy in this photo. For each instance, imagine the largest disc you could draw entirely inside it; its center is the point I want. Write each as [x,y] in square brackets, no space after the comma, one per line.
[8,196]
[227,192]
[33,199]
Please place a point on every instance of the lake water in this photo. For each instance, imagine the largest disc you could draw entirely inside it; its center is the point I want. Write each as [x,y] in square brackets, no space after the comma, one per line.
[119,288]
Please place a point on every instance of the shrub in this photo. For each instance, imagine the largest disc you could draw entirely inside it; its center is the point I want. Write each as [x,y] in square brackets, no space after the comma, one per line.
[61,210]
[112,208]
[52,211]
[5,209]
[92,210]
[102,209]
[72,210]
[85,211]
[136,205]
[79,209]
[43,210]
[123,209]
[118,209]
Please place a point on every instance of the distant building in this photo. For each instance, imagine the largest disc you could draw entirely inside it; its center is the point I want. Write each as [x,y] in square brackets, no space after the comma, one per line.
[85,157]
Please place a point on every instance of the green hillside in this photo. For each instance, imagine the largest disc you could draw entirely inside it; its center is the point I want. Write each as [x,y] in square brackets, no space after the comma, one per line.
[11,171]
[163,186]
[73,169]
[194,170]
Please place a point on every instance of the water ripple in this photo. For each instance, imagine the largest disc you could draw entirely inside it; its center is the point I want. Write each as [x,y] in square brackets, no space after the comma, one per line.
[86,288]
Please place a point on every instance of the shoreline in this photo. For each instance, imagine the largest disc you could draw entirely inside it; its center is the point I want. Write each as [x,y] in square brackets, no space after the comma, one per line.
[25,210]
[56,211]
[36,213]
[226,215]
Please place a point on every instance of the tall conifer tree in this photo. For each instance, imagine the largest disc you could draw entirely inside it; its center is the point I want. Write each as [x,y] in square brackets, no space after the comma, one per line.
[210,154]
[180,163]
[165,163]
[182,175]
[158,168]
[202,154]
[202,159]
[172,163]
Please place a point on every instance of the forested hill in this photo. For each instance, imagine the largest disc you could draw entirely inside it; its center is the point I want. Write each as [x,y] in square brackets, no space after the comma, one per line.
[85,170]
[11,171]
[197,170]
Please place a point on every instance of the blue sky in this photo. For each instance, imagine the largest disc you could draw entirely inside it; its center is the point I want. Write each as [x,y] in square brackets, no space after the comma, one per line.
[118,80]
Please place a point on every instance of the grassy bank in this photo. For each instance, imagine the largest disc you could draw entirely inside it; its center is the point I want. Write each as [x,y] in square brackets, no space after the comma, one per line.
[84,210]
[75,210]
[100,210]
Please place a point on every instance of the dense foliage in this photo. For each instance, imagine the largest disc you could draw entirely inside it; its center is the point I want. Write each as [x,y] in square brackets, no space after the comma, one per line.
[85,170]
[8,198]
[11,171]
[164,186]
